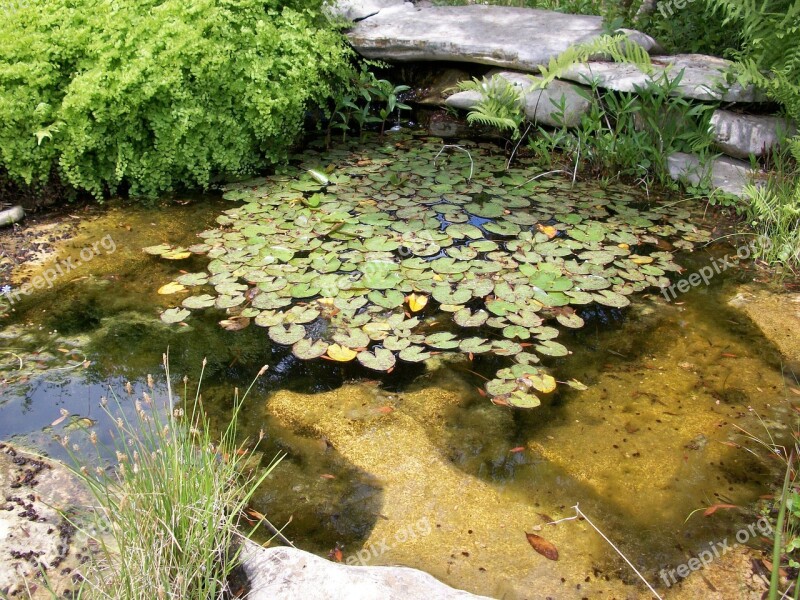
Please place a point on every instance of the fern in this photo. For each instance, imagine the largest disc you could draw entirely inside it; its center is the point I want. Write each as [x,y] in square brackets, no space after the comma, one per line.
[500,105]
[770,57]
[617,47]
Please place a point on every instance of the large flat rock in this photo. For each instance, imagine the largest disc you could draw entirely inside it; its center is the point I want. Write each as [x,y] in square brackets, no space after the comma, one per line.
[517,38]
[704,77]
[291,574]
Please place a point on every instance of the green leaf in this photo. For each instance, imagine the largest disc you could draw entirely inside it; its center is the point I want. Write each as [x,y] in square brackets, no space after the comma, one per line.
[380,359]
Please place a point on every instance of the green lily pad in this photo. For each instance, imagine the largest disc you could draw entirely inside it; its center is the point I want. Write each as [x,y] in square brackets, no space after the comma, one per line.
[475,345]
[194,279]
[380,359]
[466,318]
[286,335]
[174,315]
[442,340]
[609,298]
[414,354]
[196,302]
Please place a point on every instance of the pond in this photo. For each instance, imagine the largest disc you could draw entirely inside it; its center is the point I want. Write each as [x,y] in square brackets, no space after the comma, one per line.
[418,466]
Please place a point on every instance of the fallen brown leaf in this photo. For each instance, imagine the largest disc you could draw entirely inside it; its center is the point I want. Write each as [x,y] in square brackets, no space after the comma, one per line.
[542,546]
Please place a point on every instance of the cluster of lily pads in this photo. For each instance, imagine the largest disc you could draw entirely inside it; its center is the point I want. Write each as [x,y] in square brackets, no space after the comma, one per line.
[384,251]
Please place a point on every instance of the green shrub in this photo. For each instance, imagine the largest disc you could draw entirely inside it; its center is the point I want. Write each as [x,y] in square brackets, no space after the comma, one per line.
[159,94]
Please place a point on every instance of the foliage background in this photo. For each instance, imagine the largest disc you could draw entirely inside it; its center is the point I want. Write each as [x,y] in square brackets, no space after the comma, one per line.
[152,95]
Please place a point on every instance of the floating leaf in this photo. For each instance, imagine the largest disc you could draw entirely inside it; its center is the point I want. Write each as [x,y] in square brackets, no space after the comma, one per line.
[307,349]
[542,546]
[171,288]
[174,315]
[414,354]
[286,334]
[235,323]
[416,302]
[380,359]
[466,318]
[340,353]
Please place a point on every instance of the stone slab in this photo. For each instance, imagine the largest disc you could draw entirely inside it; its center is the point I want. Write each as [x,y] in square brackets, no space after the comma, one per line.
[292,574]
[729,175]
[541,106]
[704,77]
[504,36]
[741,135]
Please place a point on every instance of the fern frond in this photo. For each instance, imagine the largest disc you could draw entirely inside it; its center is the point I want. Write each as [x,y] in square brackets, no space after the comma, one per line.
[618,48]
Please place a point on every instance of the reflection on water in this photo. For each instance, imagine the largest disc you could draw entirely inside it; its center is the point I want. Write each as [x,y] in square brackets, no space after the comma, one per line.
[646,445]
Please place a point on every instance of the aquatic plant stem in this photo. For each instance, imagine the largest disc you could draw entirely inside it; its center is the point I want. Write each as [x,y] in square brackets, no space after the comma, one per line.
[580,513]
[777,545]
[457,147]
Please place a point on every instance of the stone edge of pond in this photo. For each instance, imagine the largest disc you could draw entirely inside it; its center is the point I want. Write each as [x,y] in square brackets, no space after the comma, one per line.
[284,572]
[37,498]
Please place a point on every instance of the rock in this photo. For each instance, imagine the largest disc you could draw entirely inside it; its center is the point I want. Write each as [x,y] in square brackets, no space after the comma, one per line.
[704,77]
[291,574]
[355,10]
[34,533]
[729,175]
[542,106]
[15,214]
[504,36]
[741,135]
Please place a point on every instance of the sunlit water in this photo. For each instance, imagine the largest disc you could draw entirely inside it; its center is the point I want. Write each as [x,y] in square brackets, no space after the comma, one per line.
[646,445]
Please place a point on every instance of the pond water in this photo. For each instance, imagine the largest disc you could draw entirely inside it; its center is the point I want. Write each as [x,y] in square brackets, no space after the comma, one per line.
[418,467]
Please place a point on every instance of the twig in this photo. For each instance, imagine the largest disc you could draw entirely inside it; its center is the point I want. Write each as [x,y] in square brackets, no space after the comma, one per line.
[514,151]
[540,175]
[457,147]
[580,513]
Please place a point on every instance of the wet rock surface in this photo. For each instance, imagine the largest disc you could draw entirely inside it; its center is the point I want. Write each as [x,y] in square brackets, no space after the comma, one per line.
[741,135]
[35,535]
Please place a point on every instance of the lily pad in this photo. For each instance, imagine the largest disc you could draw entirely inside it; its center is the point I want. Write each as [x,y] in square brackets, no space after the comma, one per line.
[286,334]
[380,359]
[174,315]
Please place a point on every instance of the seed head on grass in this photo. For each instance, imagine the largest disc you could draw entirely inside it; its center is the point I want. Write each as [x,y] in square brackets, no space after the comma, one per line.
[172,500]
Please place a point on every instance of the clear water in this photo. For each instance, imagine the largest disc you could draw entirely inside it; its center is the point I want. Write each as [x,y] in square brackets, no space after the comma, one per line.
[645,446]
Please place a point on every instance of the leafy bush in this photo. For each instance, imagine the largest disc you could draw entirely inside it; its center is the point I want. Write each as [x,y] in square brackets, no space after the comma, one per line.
[155,94]
[693,28]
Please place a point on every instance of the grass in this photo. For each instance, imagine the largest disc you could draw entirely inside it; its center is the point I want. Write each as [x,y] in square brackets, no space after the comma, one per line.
[774,209]
[171,502]
[782,509]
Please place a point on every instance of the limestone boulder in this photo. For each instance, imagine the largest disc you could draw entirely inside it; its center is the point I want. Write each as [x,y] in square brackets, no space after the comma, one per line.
[292,574]
[704,77]
[729,175]
[504,36]
[740,135]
